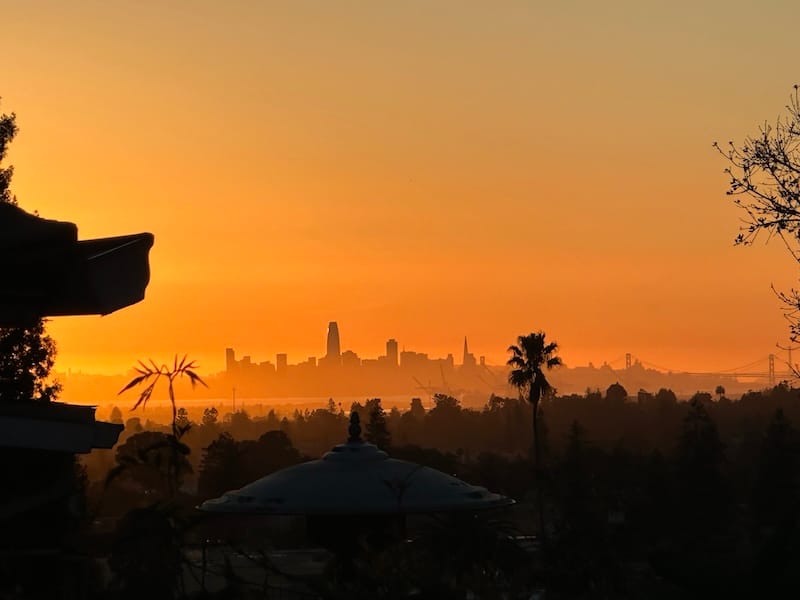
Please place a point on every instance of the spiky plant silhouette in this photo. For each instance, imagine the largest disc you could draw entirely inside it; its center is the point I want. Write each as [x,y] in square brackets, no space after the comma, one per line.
[149,376]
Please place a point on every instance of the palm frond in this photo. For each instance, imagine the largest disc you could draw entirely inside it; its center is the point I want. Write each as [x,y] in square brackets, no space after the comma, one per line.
[554,362]
[516,361]
[518,378]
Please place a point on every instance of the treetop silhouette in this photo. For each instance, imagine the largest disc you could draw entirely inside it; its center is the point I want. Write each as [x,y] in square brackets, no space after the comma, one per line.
[529,357]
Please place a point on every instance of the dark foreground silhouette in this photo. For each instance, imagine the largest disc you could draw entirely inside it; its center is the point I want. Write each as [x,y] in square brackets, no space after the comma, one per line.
[645,497]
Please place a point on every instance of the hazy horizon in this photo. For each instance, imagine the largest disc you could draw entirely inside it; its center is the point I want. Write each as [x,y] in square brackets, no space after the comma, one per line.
[214,362]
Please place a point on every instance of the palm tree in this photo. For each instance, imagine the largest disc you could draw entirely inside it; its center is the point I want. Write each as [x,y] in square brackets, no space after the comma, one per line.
[528,358]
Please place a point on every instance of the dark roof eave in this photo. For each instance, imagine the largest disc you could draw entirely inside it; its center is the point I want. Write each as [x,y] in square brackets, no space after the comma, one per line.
[58,435]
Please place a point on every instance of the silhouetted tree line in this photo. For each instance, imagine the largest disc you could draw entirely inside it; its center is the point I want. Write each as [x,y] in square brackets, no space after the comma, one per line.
[644,494]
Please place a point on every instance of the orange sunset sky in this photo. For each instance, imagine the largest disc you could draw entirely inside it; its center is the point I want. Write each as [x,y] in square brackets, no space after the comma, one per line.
[418,170]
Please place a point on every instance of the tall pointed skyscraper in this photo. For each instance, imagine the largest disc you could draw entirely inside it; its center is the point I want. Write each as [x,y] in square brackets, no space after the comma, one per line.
[469,358]
[334,348]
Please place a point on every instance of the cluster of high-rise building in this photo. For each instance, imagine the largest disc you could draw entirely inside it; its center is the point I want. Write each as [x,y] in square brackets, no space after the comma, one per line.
[345,372]
[403,372]
[334,357]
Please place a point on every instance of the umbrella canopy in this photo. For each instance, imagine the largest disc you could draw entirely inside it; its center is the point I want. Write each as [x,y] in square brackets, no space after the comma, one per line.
[355,478]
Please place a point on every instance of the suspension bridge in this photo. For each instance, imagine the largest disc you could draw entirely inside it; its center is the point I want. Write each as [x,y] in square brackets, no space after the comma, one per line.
[773,367]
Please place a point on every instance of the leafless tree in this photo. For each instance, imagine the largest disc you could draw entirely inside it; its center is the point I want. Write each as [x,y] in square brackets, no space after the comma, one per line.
[764,174]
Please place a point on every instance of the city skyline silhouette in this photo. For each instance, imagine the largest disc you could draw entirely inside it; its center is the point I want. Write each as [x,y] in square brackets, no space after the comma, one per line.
[400,373]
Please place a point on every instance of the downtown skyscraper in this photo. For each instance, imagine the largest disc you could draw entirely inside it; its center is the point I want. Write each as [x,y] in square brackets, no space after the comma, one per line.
[334,349]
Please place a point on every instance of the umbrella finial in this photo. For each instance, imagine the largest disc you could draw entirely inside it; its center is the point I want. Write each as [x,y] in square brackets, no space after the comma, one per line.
[355,429]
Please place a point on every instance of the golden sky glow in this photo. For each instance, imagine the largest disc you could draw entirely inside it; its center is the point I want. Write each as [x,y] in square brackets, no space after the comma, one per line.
[417,170]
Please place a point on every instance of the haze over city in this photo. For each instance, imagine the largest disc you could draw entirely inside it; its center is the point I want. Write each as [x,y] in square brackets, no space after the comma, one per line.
[339,374]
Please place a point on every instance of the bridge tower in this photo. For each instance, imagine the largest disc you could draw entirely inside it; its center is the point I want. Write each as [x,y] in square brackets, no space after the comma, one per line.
[628,360]
[771,370]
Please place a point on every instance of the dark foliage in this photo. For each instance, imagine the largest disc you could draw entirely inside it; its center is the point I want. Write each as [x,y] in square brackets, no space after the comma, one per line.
[646,497]
[228,464]
[151,466]
[376,431]
[145,555]
[26,359]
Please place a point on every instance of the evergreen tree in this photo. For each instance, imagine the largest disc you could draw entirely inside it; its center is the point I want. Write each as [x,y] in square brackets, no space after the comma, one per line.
[704,498]
[417,410]
[776,497]
[220,467]
[273,423]
[582,550]
[576,481]
[377,431]
[776,501]
[8,129]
